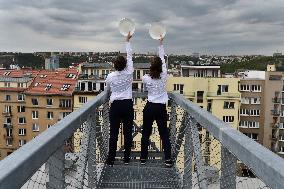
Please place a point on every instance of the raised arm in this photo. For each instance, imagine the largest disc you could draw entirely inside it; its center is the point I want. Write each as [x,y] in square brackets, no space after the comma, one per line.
[162,56]
[129,65]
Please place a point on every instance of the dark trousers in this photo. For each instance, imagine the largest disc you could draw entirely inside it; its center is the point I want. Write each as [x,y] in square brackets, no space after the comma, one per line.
[120,111]
[158,112]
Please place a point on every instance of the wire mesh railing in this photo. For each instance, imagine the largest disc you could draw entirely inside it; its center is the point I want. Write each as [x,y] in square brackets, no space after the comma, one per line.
[207,153]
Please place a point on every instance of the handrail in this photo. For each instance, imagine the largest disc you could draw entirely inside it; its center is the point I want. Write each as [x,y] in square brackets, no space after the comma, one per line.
[18,167]
[268,166]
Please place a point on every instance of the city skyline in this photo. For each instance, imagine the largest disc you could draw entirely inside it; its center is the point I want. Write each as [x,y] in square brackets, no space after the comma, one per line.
[220,27]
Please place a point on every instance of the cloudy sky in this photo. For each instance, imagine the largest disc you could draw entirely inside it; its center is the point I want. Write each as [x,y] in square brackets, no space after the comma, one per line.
[205,26]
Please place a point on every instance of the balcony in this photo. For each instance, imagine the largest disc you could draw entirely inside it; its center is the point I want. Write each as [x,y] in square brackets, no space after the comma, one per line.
[275,113]
[47,164]
[8,137]
[8,125]
[224,94]
[276,100]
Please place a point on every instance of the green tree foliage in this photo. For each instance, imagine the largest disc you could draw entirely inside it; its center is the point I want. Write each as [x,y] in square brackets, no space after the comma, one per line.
[257,63]
[29,60]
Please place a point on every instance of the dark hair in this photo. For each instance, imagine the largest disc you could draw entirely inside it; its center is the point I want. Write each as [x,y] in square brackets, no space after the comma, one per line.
[119,63]
[156,67]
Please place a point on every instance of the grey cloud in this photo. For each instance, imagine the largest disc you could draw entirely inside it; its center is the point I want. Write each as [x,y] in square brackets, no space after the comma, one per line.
[218,27]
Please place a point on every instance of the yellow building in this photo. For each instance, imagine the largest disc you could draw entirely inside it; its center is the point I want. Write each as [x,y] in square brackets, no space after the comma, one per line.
[220,96]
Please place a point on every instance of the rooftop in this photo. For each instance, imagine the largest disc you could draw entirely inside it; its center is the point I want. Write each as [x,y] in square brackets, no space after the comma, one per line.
[60,82]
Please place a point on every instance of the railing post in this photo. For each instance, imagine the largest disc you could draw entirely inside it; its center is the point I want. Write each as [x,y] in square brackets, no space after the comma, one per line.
[228,169]
[173,120]
[187,175]
[55,166]
[201,171]
[92,171]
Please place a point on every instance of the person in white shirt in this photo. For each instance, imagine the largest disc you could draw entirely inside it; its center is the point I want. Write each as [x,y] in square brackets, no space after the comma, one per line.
[119,83]
[155,109]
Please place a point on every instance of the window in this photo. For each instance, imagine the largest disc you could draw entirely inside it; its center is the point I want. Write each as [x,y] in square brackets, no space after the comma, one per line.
[244,112]
[65,103]
[253,125]
[21,97]
[253,136]
[49,115]
[21,109]
[8,97]
[64,114]
[281,149]
[48,126]
[35,127]
[135,114]
[254,112]
[83,99]
[6,84]
[49,102]
[22,142]
[200,96]
[35,114]
[245,100]
[244,124]
[228,119]
[22,120]
[9,142]
[245,88]
[179,87]
[135,101]
[34,101]
[255,100]
[222,89]
[22,132]
[8,109]
[20,85]
[229,105]
[256,88]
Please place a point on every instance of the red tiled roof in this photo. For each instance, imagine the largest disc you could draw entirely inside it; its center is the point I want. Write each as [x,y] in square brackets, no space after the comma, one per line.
[18,73]
[56,79]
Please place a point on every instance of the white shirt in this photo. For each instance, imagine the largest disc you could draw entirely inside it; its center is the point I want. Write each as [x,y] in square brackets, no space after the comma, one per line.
[157,87]
[120,82]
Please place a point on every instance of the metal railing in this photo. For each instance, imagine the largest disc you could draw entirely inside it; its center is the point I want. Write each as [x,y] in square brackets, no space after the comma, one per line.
[71,154]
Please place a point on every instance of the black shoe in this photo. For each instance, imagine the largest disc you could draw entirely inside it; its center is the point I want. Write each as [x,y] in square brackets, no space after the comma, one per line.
[142,161]
[169,163]
[110,163]
[126,161]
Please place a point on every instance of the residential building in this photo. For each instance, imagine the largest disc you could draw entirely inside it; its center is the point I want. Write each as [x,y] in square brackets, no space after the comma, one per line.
[31,102]
[52,63]
[262,110]
[220,96]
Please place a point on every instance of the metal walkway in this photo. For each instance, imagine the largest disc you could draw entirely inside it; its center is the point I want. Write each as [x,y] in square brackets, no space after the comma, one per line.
[207,153]
[151,175]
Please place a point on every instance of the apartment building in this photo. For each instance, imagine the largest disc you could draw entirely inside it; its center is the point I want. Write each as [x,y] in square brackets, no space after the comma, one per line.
[36,101]
[200,71]
[262,108]
[220,96]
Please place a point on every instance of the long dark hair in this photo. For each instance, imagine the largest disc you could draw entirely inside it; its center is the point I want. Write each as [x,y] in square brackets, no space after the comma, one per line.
[156,67]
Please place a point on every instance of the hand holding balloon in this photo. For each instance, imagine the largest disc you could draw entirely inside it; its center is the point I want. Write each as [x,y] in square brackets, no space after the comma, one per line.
[128,37]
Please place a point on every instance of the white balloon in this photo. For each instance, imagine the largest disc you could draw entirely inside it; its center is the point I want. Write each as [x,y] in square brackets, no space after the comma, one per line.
[157,30]
[125,26]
